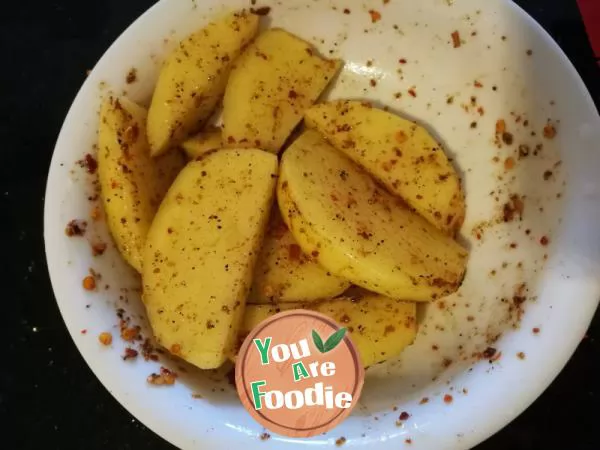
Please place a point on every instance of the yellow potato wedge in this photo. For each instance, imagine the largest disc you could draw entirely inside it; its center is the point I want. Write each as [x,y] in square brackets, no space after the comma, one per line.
[380,327]
[193,78]
[285,274]
[360,232]
[273,82]
[204,142]
[402,155]
[131,182]
[201,251]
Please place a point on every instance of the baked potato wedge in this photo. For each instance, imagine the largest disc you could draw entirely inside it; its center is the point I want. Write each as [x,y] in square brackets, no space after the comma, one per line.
[201,251]
[402,155]
[193,78]
[360,232]
[204,142]
[380,327]
[132,184]
[285,274]
[273,82]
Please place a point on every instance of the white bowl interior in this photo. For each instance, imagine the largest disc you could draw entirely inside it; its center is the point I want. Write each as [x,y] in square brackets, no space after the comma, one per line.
[560,281]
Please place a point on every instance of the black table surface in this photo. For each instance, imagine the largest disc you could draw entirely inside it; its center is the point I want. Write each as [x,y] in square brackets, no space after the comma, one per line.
[49,398]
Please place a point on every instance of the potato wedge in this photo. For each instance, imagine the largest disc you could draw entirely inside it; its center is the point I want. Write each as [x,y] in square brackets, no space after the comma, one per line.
[380,327]
[360,232]
[201,251]
[131,182]
[402,155]
[204,142]
[193,78]
[273,82]
[285,274]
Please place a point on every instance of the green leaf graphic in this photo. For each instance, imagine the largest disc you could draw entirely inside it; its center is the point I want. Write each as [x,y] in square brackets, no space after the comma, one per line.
[318,341]
[333,340]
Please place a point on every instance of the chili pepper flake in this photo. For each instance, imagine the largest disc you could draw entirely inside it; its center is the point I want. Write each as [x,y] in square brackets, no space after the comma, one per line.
[263,11]
[89,283]
[105,338]
[500,126]
[456,42]
[98,249]
[509,163]
[448,399]
[549,131]
[130,354]
[76,228]
[424,400]
[165,378]
[131,76]
[477,84]
[544,241]
[265,436]
[404,416]
[375,15]
[412,92]
[536,330]
[340,441]
[521,355]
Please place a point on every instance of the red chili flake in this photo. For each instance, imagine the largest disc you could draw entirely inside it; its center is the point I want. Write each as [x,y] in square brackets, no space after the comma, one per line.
[105,338]
[412,92]
[89,283]
[448,399]
[346,11]
[265,436]
[477,84]
[489,353]
[340,441]
[456,39]
[375,16]
[481,111]
[424,400]
[315,254]
[294,252]
[521,355]
[549,131]
[547,175]
[404,416]
[129,334]
[84,331]
[408,441]
[402,61]
[76,228]
[131,76]
[373,82]
[89,163]
[544,241]
[536,330]
[98,249]
[435,348]
[263,11]
[509,163]
[130,354]
[292,94]
[507,138]
[500,126]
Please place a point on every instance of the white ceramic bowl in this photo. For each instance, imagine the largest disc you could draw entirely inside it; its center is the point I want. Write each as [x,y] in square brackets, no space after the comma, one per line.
[562,279]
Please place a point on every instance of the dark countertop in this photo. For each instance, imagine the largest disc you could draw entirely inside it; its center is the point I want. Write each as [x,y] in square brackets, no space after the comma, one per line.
[48,396]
